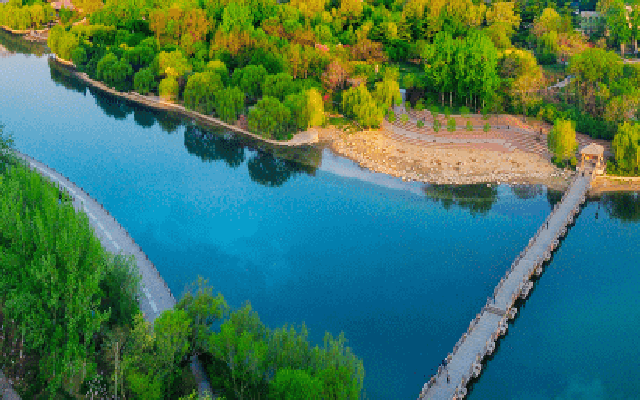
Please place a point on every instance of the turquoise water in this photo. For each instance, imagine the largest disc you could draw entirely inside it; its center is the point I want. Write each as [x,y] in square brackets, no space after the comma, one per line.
[399,268]
[576,337]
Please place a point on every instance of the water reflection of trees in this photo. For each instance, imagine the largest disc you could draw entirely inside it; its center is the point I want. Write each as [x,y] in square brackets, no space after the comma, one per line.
[477,198]
[143,116]
[17,44]
[553,197]
[61,76]
[213,146]
[111,105]
[526,192]
[623,206]
[169,122]
[269,167]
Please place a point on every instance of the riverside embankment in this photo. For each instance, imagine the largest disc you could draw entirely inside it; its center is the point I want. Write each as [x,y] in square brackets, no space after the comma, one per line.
[301,139]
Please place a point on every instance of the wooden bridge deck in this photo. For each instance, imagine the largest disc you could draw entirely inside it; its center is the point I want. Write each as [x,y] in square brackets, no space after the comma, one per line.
[465,362]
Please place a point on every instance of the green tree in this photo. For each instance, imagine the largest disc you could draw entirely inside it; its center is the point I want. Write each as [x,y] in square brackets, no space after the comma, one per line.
[387,92]
[230,104]
[358,103]
[562,139]
[242,347]
[201,91]
[295,384]
[114,72]
[279,86]
[249,79]
[618,23]
[168,88]
[269,118]
[144,81]
[626,147]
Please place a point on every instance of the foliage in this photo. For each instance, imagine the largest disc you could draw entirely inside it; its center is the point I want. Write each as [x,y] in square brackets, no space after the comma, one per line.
[420,105]
[62,42]
[486,127]
[250,79]
[168,89]
[464,111]
[451,124]
[201,92]
[436,125]
[626,148]
[114,72]
[269,118]
[404,118]
[561,140]
[278,86]
[358,103]
[230,104]
[144,81]
[420,123]
[469,126]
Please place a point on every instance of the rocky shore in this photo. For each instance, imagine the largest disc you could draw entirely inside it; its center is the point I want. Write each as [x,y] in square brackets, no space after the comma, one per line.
[445,164]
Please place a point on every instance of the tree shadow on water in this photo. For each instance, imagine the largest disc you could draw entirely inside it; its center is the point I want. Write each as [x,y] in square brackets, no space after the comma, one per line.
[111,105]
[477,198]
[624,206]
[213,146]
[61,76]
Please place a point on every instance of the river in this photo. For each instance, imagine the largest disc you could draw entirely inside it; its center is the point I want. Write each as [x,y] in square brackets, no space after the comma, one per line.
[305,235]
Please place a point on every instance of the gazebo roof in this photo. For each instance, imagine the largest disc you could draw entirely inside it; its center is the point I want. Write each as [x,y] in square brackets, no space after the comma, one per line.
[593,150]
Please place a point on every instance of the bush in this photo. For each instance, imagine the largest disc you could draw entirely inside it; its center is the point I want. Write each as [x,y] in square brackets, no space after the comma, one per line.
[447,111]
[469,126]
[420,123]
[419,105]
[392,117]
[269,119]
[169,89]
[404,118]
[573,162]
[486,127]
[436,125]
[435,110]
[464,111]
[451,124]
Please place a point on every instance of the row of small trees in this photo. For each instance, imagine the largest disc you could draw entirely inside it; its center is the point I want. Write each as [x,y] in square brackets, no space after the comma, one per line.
[16,16]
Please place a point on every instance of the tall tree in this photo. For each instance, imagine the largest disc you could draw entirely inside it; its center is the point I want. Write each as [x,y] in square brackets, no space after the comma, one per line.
[562,139]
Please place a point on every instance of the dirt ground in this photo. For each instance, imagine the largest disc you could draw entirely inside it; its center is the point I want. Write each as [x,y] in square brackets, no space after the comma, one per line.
[444,164]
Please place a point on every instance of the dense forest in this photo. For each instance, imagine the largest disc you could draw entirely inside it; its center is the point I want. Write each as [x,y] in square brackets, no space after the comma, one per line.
[71,325]
[279,66]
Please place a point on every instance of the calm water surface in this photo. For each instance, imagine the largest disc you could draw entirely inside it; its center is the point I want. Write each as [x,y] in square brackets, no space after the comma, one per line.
[307,236]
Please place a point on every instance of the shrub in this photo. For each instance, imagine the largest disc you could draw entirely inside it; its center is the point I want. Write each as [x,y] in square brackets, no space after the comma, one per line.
[464,111]
[573,162]
[435,110]
[392,117]
[419,105]
[447,112]
[404,118]
[451,125]
[469,126]
[436,125]
[169,89]
[420,123]
[486,127]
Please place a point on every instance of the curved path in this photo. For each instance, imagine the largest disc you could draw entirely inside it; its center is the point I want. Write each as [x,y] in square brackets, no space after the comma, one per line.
[114,238]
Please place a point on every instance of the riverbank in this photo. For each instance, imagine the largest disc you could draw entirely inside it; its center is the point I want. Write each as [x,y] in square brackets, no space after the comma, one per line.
[301,139]
[444,163]
[603,184]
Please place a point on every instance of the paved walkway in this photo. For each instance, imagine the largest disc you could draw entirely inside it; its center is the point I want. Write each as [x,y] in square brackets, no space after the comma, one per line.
[114,238]
[465,362]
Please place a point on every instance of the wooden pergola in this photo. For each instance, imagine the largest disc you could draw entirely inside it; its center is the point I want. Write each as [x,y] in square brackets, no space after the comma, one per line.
[592,153]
